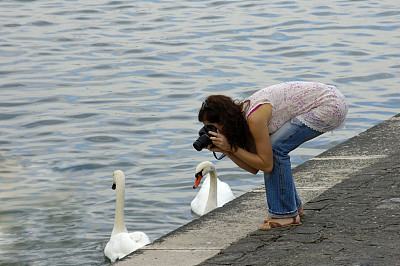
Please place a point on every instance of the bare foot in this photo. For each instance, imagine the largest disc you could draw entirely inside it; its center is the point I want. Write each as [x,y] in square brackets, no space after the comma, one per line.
[280,223]
[301,213]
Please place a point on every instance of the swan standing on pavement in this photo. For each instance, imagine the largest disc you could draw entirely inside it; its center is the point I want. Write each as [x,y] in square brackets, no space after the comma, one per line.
[121,242]
[213,193]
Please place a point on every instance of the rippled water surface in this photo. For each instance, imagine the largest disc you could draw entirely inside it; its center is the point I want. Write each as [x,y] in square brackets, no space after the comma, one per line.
[88,87]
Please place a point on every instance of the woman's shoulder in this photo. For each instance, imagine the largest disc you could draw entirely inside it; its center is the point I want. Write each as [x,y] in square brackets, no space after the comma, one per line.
[261,113]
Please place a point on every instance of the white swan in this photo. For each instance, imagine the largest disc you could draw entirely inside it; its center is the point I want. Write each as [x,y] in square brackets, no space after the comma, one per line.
[213,193]
[121,242]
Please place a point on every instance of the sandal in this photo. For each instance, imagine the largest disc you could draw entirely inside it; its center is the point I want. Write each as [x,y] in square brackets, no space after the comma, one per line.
[301,214]
[275,225]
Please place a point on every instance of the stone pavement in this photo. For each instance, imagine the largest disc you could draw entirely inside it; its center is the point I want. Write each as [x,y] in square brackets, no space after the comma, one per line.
[357,222]
[351,195]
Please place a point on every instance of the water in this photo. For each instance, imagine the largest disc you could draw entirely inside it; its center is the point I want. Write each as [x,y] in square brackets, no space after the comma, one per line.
[88,87]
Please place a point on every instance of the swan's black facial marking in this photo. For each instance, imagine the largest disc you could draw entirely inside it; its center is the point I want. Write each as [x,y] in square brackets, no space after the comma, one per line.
[114,187]
[198,176]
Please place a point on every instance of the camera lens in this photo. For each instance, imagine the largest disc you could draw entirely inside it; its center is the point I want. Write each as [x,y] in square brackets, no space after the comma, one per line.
[197,145]
[204,140]
[201,142]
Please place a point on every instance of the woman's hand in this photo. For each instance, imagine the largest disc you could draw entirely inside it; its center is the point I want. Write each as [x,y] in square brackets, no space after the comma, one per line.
[220,141]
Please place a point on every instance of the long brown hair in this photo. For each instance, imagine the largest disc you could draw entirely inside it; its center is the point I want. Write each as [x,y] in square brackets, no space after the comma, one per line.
[230,115]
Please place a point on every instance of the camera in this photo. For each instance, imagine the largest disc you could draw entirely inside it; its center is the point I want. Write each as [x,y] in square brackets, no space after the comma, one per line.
[204,138]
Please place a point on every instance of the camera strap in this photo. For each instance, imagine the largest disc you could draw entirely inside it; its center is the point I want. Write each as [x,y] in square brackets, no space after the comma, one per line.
[220,157]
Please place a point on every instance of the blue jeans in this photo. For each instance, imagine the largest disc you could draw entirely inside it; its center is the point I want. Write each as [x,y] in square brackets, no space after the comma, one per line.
[282,198]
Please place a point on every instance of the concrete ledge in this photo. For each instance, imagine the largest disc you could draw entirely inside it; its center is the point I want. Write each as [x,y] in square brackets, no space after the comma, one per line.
[205,237]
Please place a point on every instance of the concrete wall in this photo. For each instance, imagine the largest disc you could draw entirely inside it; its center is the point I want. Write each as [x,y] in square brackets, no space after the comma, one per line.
[205,237]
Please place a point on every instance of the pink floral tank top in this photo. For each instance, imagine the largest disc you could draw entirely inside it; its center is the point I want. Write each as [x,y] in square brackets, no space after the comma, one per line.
[319,106]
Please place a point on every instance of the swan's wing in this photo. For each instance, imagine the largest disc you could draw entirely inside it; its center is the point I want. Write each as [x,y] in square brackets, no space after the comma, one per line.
[195,207]
[140,238]
[224,193]
[112,252]
[119,246]
[198,204]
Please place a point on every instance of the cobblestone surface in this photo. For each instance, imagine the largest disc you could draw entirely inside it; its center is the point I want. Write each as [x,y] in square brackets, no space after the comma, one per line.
[356,222]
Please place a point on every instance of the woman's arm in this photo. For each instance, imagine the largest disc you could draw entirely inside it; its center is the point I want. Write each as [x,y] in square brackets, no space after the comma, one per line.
[241,164]
[219,140]
[263,158]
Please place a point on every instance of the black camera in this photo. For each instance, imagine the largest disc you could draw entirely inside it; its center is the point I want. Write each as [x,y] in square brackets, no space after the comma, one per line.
[204,140]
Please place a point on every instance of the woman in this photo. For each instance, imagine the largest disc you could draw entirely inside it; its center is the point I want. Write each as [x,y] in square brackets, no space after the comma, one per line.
[258,133]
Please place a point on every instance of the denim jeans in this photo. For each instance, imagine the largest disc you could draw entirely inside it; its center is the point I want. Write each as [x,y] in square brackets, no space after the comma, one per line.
[282,198]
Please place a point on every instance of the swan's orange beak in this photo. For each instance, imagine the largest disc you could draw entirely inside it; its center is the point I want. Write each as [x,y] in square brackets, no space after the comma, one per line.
[198,179]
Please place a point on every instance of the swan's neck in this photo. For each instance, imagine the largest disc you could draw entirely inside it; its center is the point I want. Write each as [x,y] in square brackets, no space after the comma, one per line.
[119,224]
[212,194]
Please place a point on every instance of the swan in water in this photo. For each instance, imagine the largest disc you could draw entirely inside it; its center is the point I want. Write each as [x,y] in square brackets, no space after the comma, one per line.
[213,193]
[121,242]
